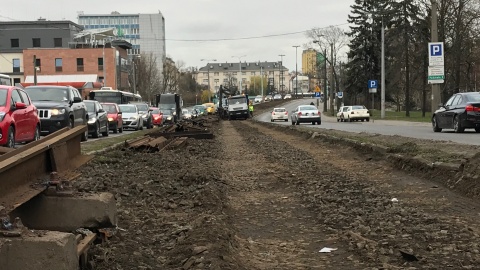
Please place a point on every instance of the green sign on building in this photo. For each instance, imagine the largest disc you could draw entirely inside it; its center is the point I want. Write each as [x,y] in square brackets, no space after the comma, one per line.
[320,58]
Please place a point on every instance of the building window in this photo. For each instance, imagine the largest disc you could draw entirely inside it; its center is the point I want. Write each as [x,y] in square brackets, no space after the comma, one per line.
[57,42]
[225,73]
[16,65]
[244,73]
[100,64]
[79,64]
[270,72]
[225,80]
[217,80]
[58,64]
[36,42]
[14,43]
[252,73]
[234,73]
[16,81]
[205,81]
[216,74]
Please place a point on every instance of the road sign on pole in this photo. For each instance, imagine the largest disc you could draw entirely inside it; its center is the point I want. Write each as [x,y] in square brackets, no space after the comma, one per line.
[436,62]
[340,94]
[317,94]
[372,84]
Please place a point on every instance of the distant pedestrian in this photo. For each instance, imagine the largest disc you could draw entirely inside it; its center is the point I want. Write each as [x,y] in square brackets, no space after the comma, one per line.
[250,109]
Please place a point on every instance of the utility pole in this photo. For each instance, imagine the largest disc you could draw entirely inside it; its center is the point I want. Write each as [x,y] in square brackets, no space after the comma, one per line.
[280,74]
[382,100]
[332,96]
[296,71]
[261,79]
[134,77]
[325,92]
[436,94]
[35,70]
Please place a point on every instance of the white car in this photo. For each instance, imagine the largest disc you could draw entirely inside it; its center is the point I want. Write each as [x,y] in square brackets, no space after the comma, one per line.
[287,96]
[186,114]
[258,99]
[306,114]
[277,97]
[355,113]
[279,114]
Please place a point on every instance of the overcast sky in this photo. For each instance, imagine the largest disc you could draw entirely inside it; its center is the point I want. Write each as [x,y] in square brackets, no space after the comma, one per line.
[209,19]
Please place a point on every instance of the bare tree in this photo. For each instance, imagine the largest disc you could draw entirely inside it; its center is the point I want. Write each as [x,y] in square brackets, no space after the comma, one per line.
[147,77]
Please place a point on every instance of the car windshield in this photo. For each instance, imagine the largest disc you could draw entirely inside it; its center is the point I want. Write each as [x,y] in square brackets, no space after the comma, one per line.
[345,109]
[200,108]
[278,96]
[308,108]
[473,97]
[127,108]
[109,108]
[240,100]
[142,107]
[90,106]
[3,97]
[166,112]
[358,107]
[47,94]
[155,111]
[279,110]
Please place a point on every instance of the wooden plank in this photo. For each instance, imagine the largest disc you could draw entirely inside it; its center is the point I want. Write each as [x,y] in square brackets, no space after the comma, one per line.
[85,243]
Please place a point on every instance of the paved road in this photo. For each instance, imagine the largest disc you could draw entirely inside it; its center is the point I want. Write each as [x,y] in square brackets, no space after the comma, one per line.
[384,127]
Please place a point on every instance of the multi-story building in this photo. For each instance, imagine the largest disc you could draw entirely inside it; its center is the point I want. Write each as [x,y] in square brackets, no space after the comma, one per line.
[20,35]
[309,62]
[146,32]
[83,67]
[215,74]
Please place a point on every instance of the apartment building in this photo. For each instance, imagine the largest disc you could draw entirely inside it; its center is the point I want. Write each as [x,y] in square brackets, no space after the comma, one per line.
[20,35]
[241,74]
[146,32]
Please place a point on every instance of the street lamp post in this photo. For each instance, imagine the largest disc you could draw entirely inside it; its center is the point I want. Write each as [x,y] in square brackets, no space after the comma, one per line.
[208,78]
[296,71]
[261,79]
[240,70]
[280,75]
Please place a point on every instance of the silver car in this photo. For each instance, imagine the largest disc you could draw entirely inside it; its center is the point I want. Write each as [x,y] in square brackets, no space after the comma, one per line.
[306,114]
[131,116]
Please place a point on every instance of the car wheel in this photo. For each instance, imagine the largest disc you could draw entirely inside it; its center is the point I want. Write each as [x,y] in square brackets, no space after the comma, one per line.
[10,138]
[85,135]
[106,133]
[477,129]
[141,126]
[72,123]
[457,126]
[363,120]
[435,124]
[338,119]
[271,120]
[96,132]
[297,123]
[115,128]
[286,120]
[313,123]
[368,119]
[293,123]
[319,122]
[36,135]
[148,125]
[120,130]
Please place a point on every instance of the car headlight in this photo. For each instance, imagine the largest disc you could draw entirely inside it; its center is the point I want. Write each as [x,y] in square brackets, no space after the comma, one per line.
[92,120]
[169,118]
[110,119]
[144,116]
[2,116]
[58,111]
[174,113]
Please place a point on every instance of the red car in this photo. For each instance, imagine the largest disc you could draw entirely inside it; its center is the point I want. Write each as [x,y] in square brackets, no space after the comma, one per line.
[114,115]
[157,116]
[19,121]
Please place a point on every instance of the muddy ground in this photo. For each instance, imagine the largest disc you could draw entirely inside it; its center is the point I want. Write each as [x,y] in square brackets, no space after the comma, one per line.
[257,197]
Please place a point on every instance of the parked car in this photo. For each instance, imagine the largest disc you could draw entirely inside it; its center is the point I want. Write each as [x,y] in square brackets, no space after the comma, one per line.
[19,121]
[341,113]
[279,114]
[202,109]
[97,119]
[258,99]
[146,114]
[186,114]
[287,96]
[277,97]
[268,98]
[115,122]
[131,116]
[461,111]
[306,114]
[355,113]
[157,116]
[58,107]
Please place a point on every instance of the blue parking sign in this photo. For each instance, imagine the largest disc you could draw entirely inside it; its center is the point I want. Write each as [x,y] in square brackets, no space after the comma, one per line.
[372,84]
[317,94]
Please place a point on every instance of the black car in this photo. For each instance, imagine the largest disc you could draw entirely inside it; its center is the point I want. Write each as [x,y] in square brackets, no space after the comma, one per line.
[461,111]
[146,114]
[58,107]
[97,119]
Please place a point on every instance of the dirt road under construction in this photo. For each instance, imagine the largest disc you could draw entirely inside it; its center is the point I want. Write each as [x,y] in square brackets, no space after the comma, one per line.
[259,197]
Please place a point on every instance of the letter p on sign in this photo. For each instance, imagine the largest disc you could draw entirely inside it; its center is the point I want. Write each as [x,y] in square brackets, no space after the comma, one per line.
[436,50]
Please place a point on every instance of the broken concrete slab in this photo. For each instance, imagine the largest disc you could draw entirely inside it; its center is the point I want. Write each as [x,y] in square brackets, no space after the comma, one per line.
[45,250]
[66,214]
